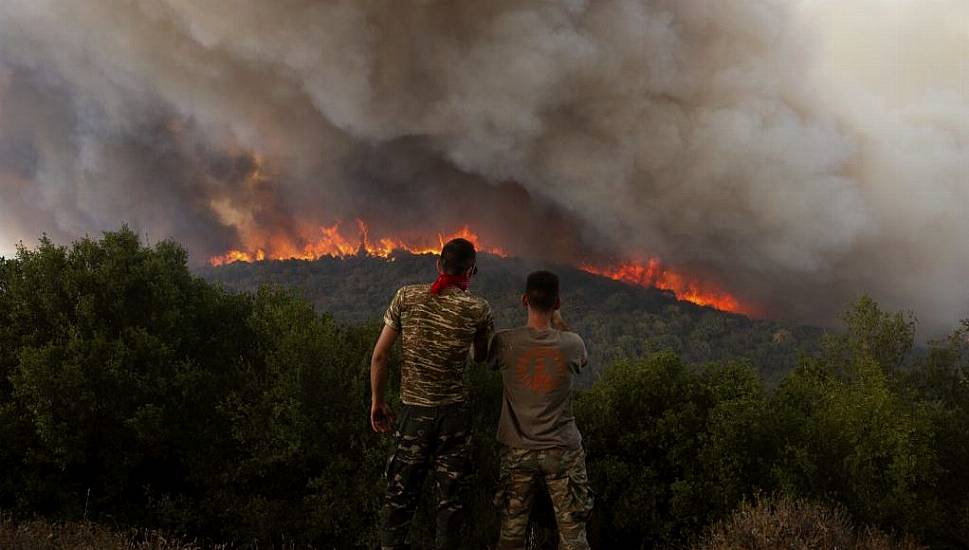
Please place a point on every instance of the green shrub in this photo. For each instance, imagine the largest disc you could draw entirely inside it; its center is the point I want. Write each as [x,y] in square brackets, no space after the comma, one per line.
[848,431]
[671,447]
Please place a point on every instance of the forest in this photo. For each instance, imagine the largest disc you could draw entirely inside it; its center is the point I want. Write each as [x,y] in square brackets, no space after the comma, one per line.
[136,394]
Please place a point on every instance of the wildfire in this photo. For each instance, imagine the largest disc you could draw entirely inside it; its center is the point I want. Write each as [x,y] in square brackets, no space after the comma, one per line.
[332,241]
[653,273]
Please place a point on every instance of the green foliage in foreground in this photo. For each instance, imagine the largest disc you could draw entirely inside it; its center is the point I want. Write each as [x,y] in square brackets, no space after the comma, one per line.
[134,393]
[137,393]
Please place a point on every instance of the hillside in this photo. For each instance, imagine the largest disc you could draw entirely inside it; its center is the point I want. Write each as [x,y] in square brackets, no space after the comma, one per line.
[618,321]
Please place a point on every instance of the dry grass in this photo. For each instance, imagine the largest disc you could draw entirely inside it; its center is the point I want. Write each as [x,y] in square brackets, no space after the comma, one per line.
[767,524]
[783,523]
[42,535]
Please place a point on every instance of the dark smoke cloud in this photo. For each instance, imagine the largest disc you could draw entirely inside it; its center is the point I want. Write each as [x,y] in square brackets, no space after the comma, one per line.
[760,144]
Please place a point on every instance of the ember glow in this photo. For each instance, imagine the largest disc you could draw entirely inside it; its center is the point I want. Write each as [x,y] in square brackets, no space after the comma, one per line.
[335,242]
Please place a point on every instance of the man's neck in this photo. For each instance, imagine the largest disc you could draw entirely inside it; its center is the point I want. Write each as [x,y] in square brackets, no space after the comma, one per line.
[539,320]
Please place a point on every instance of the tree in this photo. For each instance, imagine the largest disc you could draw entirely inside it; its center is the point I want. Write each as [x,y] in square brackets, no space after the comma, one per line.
[670,447]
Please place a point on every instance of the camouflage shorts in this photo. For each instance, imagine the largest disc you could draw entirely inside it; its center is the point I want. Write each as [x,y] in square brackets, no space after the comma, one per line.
[564,474]
[435,440]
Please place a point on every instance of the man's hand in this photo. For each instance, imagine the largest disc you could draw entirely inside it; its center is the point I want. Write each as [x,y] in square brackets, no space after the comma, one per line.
[381,417]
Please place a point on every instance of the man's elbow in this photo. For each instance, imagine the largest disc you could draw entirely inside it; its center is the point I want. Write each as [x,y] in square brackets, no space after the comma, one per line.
[379,359]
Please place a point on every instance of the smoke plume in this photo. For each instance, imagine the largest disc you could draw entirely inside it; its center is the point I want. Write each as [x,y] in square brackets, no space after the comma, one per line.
[796,153]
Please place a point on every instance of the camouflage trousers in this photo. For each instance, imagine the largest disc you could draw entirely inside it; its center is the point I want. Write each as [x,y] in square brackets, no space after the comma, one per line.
[563,471]
[427,438]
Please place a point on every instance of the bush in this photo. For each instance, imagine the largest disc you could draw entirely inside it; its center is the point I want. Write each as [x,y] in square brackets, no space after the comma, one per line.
[848,430]
[671,447]
[771,523]
[136,393]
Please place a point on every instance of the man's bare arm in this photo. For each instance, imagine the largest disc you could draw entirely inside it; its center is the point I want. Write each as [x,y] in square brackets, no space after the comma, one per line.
[558,323]
[381,416]
[480,349]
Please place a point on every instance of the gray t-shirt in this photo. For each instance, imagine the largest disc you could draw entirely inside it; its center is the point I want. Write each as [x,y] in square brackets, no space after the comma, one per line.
[537,368]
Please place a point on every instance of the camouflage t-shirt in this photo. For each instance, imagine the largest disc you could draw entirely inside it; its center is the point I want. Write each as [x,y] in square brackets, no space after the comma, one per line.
[437,331]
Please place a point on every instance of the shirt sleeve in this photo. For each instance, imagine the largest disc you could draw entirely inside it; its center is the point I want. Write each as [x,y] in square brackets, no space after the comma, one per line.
[487,323]
[392,315]
[485,328]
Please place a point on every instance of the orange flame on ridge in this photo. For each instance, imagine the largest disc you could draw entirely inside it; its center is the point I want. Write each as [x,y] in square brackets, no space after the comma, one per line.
[654,274]
[330,241]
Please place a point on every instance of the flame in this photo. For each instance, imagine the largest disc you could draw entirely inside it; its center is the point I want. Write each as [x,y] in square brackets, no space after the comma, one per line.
[652,273]
[322,241]
[331,241]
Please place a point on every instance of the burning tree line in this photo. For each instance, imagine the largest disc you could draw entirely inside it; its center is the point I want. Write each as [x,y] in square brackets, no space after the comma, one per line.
[135,393]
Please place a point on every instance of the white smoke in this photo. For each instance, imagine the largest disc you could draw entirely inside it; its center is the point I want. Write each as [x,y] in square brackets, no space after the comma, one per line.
[801,153]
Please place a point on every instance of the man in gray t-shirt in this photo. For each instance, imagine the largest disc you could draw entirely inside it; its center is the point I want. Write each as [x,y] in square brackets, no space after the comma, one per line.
[537,430]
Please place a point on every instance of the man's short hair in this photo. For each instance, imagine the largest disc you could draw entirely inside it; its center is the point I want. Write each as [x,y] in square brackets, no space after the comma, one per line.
[457,256]
[542,289]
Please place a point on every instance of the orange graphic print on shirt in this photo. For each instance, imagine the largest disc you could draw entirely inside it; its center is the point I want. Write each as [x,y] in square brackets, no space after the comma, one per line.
[541,369]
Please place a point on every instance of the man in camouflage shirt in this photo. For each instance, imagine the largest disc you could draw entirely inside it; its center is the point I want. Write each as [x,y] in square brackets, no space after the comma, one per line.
[540,441]
[439,324]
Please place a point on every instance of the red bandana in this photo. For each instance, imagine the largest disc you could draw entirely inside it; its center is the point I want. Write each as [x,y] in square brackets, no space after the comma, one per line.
[444,280]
